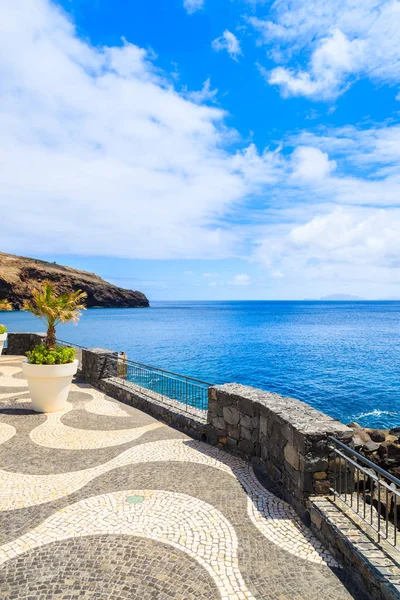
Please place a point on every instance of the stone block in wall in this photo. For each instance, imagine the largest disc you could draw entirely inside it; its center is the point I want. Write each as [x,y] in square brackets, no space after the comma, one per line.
[263,423]
[246,407]
[292,456]
[246,422]
[231,415]
[218,422]
[311,463]
[245,433]
[246,447]
[234,432]
[214,407]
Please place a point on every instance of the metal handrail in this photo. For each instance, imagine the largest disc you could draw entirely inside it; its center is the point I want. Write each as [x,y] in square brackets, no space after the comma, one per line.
[163,371]
[162,384]
[368,462]
[352,490]
[71,344]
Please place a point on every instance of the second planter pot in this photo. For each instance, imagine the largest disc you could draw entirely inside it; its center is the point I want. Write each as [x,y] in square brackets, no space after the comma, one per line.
[49,385]
[3,337]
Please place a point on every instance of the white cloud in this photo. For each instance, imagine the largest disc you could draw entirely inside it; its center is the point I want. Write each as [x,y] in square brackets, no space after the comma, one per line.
[240,279]
[102,156]
[333,60]
[229,42]
[206,94]
[338,40]
[334,219]
[349,244]
[192,6]
[310,163]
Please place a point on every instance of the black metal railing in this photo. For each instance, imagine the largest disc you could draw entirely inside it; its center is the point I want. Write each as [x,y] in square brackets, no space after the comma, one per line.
[187,391]
[165,385]
[76,346]
[70,344]
[370,491]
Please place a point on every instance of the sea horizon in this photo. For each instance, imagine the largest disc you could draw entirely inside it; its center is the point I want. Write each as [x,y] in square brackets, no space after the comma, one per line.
[339,356]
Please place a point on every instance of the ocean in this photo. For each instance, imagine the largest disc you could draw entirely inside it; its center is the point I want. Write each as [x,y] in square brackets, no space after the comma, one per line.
[341,357]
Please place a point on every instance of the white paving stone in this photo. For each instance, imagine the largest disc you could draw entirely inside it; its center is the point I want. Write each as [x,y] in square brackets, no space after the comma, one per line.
[6,432]
[182,521]
[54,434]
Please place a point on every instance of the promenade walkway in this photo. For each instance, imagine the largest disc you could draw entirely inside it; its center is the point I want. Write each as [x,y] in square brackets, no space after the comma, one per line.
[104,501]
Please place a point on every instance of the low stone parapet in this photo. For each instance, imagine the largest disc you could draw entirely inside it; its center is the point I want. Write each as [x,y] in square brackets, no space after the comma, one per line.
[289,438]
[18,344]
[98,364]
[175,414]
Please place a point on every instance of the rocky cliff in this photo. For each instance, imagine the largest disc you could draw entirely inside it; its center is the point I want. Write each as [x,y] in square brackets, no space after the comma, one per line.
[18,274]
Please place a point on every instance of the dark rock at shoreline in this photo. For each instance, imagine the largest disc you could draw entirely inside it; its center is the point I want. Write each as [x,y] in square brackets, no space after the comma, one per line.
[19,274]
[377,435]
[381,446]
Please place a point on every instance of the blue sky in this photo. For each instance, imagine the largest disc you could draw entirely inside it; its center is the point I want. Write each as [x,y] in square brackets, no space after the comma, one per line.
[205,149]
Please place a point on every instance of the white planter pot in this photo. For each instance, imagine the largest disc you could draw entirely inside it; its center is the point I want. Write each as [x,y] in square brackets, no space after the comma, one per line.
[3,337]
[49,385]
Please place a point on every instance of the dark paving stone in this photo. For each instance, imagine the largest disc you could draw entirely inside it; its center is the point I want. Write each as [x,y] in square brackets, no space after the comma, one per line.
[115,567]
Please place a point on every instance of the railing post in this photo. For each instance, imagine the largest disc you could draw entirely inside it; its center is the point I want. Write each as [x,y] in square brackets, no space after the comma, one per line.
[374,478]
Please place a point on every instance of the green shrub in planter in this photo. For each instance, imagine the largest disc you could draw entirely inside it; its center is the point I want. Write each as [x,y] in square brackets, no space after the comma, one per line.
[54,308]
[59,355]
[4,305]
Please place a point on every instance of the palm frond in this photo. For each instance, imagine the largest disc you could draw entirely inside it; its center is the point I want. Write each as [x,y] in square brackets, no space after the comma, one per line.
[54,308]
[5,305]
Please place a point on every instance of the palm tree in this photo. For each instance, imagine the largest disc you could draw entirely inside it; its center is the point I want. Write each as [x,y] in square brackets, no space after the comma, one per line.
[54,308]
[5,305]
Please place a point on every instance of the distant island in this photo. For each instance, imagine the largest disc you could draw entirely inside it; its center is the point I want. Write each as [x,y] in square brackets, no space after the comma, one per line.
[348,297]
[18,274]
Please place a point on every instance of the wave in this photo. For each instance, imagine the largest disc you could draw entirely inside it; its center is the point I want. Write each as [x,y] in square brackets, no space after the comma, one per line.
[377,413]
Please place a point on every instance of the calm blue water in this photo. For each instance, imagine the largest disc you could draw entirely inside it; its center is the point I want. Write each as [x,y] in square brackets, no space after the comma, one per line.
[341,357]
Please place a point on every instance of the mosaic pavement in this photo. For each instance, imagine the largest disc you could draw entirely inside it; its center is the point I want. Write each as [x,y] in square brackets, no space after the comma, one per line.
[103,501]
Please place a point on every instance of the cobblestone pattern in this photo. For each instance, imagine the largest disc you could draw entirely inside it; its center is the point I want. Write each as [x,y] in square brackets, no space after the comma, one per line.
[54,434]
[184,522]
[350,538]
[289,437]
[183,494]
[108,567]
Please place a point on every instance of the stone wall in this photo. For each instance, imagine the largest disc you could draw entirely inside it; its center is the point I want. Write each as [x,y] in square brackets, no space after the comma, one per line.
[288,438]
[19,344]
[98,364]
[102,368]
[140,398]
